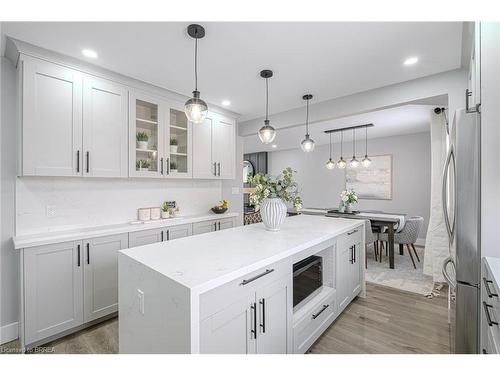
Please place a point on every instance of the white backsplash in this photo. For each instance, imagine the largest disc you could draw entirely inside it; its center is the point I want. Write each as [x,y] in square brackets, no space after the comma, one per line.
[50,204]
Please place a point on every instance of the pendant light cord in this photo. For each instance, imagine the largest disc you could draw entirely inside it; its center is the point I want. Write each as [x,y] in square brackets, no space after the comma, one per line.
[330,146]
[353,143]
[366,141]
[307,117]
[341,144]
[267,99]
[196,62]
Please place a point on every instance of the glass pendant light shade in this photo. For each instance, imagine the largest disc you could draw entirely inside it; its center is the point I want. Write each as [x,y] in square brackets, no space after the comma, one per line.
[267,133]
[366,161]
[196,109]
[330,164]
[341,163]
[354,163]
[307,144]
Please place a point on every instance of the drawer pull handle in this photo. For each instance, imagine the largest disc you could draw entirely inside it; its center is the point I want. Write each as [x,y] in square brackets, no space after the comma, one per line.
[488,317]
[245,282]
[487,287]
[314,316]
[354,231]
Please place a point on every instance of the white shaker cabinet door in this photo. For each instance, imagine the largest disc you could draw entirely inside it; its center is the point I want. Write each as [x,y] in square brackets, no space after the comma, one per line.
[53,289]
[100,264]
[356,270]
[229,331]
[344,280]
[205,227]
[178,231]
[51,120]
[223,136]
[203,163]
[145,237]
[226,223]
[273,309]
[105,128]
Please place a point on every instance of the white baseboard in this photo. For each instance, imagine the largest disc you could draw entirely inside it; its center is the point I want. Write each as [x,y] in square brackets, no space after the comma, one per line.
[9,332]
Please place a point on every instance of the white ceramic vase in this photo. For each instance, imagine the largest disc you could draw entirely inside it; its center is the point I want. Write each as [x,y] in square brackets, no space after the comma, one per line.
[273,212]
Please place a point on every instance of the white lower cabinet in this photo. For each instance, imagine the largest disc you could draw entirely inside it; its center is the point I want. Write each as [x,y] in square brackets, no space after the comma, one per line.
[53,289]
[348,275]
[101,275]
[146,237]
[213,225]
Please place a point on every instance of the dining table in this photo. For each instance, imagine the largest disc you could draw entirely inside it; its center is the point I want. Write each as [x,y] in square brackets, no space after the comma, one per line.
[394,222]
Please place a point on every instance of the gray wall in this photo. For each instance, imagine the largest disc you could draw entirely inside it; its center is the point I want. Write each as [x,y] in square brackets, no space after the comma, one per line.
[9,258]
[320,187]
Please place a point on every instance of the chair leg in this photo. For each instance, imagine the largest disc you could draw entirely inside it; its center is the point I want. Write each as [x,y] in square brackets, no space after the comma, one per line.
[380,252]
[375,250]
[411,256]
[387,249]
[415,251]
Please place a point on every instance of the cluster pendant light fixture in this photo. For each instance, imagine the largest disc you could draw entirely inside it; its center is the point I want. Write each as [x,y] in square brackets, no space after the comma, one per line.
[267,133]
[330,164]
[307,144]
[196,109]
[354,162]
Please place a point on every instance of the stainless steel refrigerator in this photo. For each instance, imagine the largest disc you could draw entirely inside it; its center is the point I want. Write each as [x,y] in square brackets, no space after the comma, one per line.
[461,203]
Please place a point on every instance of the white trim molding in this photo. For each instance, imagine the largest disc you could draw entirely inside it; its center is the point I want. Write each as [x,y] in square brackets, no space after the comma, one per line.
[9,332]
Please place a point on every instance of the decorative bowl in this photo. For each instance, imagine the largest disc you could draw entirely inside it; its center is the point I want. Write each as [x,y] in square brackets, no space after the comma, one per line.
[219,210]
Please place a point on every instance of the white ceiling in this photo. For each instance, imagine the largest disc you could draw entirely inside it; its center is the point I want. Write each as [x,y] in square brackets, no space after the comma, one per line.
[326,59]
[407,119]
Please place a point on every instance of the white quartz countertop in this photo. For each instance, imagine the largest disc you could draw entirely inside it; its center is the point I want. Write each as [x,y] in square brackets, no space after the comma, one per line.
[206,261]
[45,238]
[494,267]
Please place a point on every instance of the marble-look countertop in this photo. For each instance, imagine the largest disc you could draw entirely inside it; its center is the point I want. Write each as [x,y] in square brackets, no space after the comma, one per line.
[45,238]
[493,265]
[206,261]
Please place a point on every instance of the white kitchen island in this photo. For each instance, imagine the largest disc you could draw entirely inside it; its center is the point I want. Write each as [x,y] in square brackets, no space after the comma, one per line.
[232,291]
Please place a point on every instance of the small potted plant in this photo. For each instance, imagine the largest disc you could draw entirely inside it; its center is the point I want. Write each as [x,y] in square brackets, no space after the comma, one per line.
[165,210]
[347,199]
[173,145]
[173,167]
[142,140]
[174,211]
[142,165]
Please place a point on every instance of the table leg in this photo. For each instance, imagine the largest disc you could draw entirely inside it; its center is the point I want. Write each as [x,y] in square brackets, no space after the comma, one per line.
[401,252]
[390,236]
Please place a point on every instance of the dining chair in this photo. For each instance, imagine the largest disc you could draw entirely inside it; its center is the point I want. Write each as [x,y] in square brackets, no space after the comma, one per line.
[407,236]
[370,239]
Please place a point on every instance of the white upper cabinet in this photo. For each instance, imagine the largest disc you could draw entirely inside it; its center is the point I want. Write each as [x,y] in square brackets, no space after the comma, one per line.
[178,143]
[214,148]
[105,128]
[51,120]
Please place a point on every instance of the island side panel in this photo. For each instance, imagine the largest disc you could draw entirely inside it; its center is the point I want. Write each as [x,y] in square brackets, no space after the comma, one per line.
[155,311]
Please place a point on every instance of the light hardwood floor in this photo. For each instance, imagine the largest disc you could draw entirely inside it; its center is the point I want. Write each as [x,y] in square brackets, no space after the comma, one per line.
[386,321]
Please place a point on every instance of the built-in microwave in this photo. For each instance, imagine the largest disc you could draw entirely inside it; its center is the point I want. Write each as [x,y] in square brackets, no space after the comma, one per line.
[307,279]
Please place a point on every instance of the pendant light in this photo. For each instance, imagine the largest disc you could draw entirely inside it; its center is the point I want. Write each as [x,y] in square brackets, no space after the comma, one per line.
[267,133]
[330,164]
[307,144]
[196,109]
[354,163]
[341,163]
[366,160]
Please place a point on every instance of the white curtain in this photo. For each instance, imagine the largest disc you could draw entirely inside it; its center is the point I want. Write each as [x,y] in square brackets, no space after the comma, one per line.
[436,243]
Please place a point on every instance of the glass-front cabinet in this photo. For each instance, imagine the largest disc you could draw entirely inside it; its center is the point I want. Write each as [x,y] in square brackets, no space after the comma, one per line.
[160,138]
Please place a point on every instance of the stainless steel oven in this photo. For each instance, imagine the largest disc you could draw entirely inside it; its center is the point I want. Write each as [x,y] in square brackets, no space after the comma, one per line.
[307,279]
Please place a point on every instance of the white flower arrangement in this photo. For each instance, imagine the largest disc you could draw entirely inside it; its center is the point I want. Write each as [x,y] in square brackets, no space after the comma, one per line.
[282,187]
[348,197]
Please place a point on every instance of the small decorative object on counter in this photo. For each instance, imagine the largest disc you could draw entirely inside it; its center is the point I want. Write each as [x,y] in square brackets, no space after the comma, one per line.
[347,200]
[221,208]
[144,214]
[271,193]
[165,210]
[174,212]
[142,140]
[143,165]
[173,145]
[155,213]
[173,167]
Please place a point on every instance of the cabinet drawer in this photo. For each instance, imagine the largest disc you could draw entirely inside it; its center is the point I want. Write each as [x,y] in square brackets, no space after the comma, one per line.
[350,238]
[217,299]
[308,328]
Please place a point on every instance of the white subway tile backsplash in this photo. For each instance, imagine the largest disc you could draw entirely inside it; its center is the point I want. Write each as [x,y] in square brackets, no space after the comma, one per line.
[81,202]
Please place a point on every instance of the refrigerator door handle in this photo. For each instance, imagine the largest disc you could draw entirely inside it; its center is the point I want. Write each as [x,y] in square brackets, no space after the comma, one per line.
[447,277]
[450,227]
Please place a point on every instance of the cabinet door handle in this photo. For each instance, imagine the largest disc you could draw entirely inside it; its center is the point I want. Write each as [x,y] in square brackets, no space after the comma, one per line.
[488,317]
[351,260]
[253,307]
[354,231]
[168,234]
[78,161]
[218,166]
[168,165]
[247,281]
[487,287]
[88,161]
[161,169]
[219,224]
[354,253]
[161,236]
[314,316]
[215,169]
[88,253]
[78,249]
[215,226]
[262,303]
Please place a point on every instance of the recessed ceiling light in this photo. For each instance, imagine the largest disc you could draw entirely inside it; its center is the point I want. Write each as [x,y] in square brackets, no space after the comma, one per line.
[274,146]
[89,53]
[411,61]
[226,102]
